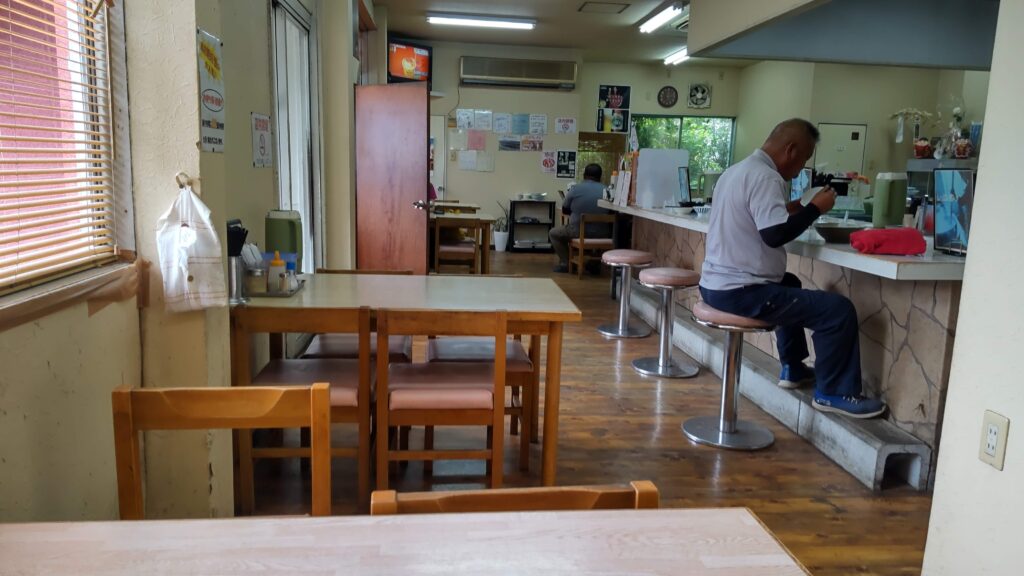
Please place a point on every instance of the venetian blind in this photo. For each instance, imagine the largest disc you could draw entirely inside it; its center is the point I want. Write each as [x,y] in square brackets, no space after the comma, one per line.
[56,147]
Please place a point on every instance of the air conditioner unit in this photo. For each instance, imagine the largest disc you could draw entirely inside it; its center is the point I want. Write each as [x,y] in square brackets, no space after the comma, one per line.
[553,74]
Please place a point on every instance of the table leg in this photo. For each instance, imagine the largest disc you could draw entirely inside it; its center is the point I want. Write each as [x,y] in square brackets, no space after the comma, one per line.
[535,414]
[485,266]
[551,393]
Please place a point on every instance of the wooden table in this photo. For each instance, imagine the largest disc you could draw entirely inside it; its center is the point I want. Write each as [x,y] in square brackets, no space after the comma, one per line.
[486,220]
[456,207]
[536,307]
[719,542]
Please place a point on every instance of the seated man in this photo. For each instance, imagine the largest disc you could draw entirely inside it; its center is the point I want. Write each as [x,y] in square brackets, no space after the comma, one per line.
[745,271]
[582,199]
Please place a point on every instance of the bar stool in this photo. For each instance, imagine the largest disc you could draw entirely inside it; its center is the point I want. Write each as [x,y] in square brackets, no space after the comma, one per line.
[726,431]
[626,260]
[667,281]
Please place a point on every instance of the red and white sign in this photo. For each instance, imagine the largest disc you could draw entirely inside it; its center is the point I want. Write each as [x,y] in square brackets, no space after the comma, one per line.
[262,146]
[565,125]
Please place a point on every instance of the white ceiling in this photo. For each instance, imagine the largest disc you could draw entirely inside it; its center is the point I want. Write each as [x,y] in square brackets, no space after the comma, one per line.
[600,37]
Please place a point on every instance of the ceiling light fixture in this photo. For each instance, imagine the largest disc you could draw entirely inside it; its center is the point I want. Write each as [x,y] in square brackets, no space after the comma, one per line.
[677,57]
[662,18]
[481,21]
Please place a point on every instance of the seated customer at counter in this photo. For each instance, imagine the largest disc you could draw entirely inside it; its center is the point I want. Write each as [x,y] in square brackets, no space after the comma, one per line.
[582,199]
[745,271]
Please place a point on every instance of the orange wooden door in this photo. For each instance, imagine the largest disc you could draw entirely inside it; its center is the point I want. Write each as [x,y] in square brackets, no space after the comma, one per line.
[392,136]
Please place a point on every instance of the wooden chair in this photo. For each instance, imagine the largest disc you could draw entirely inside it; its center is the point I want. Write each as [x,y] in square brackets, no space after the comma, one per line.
[581,248]
[467,252]
[137,410]
[349,379]
[641,494]
[346,346]
[441,394]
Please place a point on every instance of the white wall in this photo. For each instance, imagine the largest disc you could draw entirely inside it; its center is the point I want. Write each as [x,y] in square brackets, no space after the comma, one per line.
[646,80]
[975,526]
[770,92]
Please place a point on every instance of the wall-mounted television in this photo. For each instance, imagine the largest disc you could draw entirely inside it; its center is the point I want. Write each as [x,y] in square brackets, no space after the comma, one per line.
[409,61]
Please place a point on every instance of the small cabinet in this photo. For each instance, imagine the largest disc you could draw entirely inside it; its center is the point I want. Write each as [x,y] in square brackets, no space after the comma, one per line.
[529,224]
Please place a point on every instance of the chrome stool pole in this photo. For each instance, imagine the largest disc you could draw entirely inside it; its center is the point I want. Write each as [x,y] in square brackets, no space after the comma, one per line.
[666,281]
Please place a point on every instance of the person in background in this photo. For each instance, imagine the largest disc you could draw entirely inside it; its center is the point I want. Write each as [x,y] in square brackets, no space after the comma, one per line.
[582,199]
[745,274]
[431,192]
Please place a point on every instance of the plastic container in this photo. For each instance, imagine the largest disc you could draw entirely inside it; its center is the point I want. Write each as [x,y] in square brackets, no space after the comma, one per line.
[255,281]
[275,273]
[890,200]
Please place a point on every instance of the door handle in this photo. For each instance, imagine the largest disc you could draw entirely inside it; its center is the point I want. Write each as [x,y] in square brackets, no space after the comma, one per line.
[419,205]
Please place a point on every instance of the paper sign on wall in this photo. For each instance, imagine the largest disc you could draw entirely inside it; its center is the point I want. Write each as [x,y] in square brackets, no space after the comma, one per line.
[262,155]
[565,164]
[467,160]
[547,162]
[509,144]
[532,144]
[538,124]
[464,118]
[477,140]
[520,124]
[482,120]
[211,92]
[457,140]
[502,123]
[484,162]
[565,125]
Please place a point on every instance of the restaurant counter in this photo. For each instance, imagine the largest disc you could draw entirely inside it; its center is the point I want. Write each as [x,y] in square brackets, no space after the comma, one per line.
[907,307]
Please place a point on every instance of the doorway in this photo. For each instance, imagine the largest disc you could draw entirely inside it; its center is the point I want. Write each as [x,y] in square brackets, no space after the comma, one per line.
[841,148]
[297,116]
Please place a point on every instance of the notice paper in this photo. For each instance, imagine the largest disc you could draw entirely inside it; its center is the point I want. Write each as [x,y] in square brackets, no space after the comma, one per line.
[547,162]
[520,124]
[565,164]
[482,120]
[532,144]
[457,140]
[261,145]
[502,123]
[464,118]
[484,162]
[565,125]
[467,160]
[538,124]
[509,144]
[211,90]
[476,140]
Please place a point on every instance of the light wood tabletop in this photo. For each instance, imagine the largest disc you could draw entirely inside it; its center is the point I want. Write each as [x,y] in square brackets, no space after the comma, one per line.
[481,216]
[536,307]
[722,542]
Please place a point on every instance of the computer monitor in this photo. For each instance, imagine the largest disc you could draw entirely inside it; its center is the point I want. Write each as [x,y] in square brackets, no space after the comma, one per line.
[954,199]
[801,184]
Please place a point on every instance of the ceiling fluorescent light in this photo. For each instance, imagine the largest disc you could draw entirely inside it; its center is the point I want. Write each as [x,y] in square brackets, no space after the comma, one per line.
[481,21]
[677,57]
[662,18]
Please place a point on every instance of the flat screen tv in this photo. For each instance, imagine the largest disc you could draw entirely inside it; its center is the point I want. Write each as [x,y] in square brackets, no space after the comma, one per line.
[409,61]
[954,198]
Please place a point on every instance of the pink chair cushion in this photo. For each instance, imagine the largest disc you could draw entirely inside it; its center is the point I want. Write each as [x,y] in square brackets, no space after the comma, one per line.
[342,375]
[704,313]
[474,349]
[631,257]
[594,243]
[441,385]
[674,277]
[347,346]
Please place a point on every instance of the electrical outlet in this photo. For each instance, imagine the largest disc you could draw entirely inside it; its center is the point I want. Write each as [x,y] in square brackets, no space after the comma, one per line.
[994,430]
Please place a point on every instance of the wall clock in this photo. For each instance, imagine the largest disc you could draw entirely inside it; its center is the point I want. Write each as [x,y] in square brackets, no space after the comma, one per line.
[668,96]
[700,96]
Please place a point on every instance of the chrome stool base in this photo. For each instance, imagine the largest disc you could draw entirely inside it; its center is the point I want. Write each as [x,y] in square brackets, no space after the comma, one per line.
[748,435]
[651,366]
[613,331]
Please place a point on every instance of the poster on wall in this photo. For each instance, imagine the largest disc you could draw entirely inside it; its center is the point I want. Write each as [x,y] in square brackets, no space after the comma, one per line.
[613,97]
[458,139]
[262,155]
[565,164]
[502,123]
[532,144]
[467,160]
[509,144]
[565,125]
[612,120]
[464,118]
[484,162]
[547,162]
[476,140]
[520,124]
[538,124]
[482,120]
[211,92]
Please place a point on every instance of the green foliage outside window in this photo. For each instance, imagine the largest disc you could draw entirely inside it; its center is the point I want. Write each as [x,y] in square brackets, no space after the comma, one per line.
[708,139]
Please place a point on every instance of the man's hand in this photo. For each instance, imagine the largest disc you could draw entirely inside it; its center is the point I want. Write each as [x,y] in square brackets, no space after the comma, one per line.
[825,199]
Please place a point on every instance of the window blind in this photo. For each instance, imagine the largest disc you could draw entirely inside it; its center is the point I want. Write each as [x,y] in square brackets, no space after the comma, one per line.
[56,145]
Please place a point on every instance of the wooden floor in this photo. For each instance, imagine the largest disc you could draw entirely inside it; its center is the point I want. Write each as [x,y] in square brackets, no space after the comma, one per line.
[616,425]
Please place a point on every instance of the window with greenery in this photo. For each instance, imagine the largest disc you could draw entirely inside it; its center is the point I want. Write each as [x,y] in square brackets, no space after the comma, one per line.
[708,138]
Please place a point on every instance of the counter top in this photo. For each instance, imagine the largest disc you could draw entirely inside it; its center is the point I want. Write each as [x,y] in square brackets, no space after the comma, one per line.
[927,267]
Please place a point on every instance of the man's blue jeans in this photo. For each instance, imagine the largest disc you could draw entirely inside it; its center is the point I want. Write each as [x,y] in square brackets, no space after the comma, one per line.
[830,316]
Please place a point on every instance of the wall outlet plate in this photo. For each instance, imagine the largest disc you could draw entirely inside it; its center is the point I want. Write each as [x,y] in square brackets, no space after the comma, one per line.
[994,430]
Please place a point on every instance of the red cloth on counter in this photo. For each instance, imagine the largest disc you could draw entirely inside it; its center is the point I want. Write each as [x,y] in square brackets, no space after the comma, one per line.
[893,241]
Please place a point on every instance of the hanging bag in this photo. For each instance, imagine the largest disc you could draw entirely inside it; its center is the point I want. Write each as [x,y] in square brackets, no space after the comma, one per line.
[190,255]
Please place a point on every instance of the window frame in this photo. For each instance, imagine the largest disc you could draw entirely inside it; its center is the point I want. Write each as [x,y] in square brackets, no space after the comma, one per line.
[682,122]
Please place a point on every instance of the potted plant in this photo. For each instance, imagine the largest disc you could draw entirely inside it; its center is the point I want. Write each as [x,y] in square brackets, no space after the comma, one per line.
[501,230]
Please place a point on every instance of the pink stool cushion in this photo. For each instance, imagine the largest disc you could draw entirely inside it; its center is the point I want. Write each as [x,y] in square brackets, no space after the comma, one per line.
[593,243]
[474,349]
[342,375]
[441,386]
[674,277]
[347,346]
[631,257]
[705,313]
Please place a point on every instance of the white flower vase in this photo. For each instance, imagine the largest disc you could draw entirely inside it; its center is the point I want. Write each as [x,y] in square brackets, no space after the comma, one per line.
[500,241]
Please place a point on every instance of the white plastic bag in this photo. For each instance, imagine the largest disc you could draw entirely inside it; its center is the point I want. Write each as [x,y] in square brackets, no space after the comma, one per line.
[190,256]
